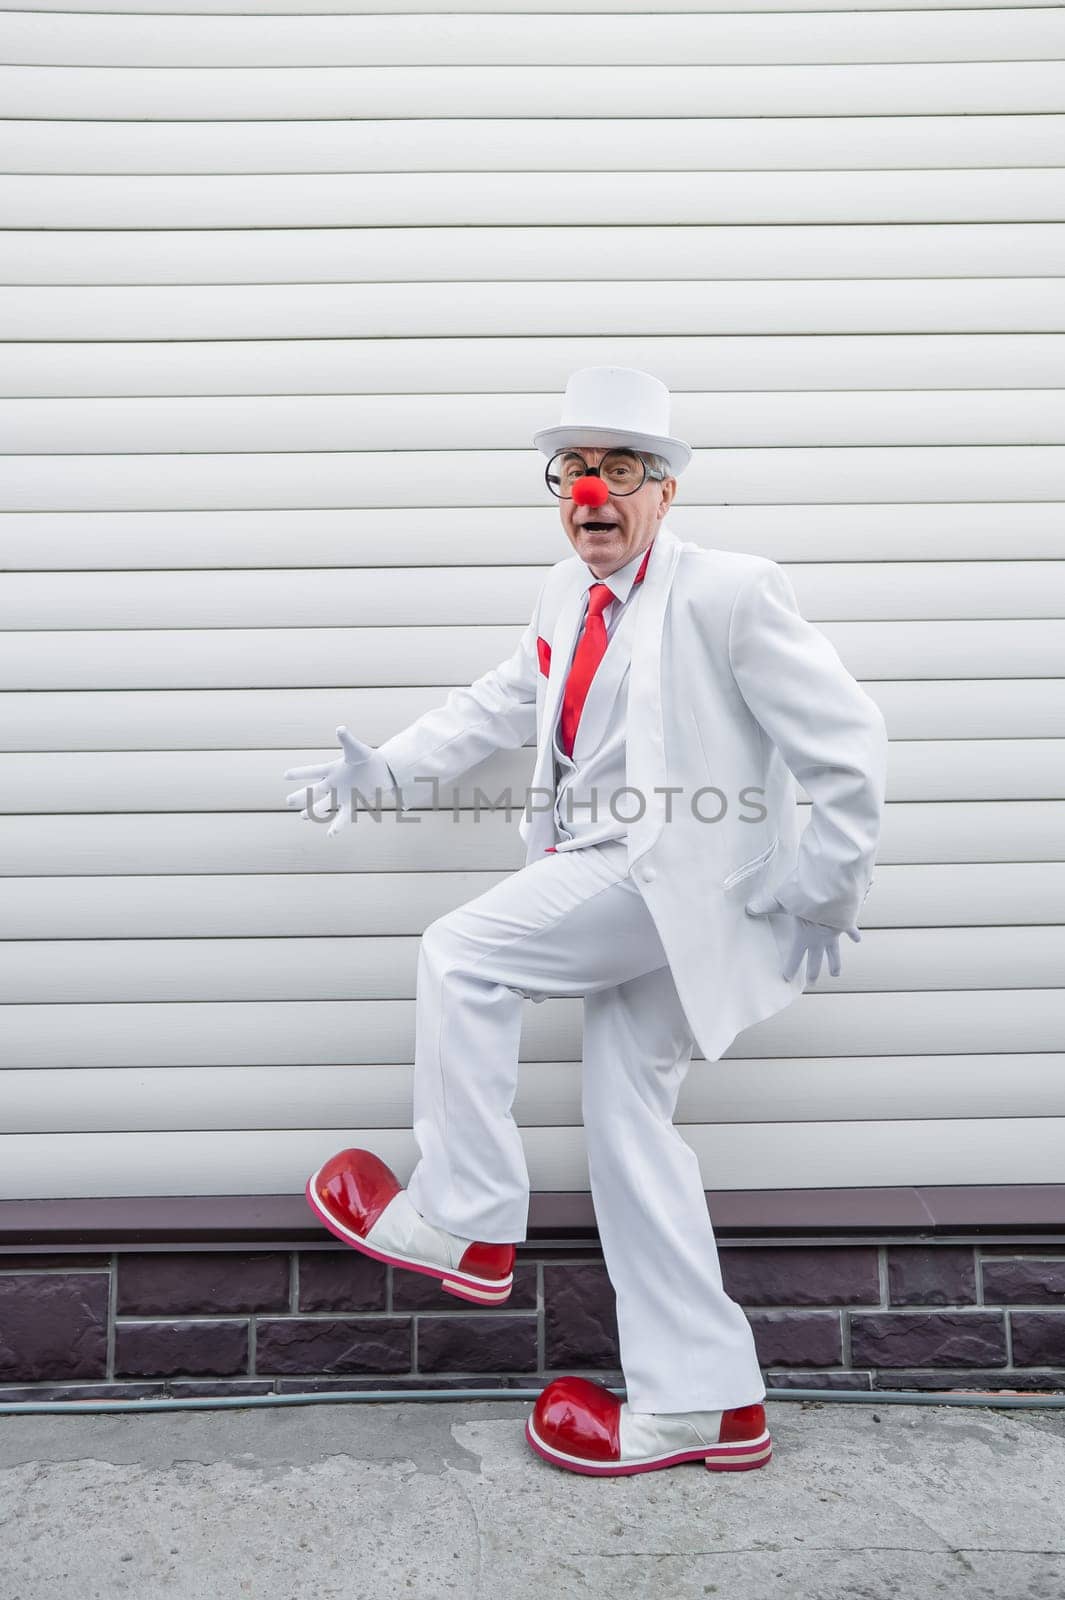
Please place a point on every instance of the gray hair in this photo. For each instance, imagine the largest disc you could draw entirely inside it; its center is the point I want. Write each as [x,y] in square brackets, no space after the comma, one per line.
[656,463]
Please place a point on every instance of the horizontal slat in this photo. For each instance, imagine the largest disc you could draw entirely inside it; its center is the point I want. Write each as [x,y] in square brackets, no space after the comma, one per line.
[825,1089]
[411,255]
[387,596]
[230,94]
[66,971]
[269,904]
[653,306]
[282,423]
[515,40]
[49,783]
[426,199]
[230,719]
[786,1155]
[252,658]
[607,144]
[432,841]
[511,535]
[429,7]
[733,363]
[264,1032]
[429,597]
[516,477]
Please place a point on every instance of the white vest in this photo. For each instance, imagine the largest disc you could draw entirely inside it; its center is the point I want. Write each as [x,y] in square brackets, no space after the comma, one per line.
[586,784]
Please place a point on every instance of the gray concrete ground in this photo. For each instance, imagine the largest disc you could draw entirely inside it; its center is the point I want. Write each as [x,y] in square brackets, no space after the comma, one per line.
[443,1498]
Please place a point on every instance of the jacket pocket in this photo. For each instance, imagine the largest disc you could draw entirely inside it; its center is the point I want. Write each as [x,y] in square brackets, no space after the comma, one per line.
[747,867]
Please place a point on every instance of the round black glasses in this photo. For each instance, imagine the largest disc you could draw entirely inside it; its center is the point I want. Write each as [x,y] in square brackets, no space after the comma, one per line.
[623,472]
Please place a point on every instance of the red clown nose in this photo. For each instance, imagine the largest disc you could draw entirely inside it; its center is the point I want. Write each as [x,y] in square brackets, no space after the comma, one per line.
[589,491]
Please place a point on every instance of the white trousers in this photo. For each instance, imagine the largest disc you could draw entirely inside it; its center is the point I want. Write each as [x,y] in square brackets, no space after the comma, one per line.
[574,923]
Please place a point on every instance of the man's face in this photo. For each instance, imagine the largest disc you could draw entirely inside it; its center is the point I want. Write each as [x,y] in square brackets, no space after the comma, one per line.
[631,520]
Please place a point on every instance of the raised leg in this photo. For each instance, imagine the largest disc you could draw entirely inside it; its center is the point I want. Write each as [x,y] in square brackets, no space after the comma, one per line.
[567,925]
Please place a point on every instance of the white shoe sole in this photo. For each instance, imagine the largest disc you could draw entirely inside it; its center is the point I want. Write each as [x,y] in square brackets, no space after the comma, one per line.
[466,1285]
[738,1457]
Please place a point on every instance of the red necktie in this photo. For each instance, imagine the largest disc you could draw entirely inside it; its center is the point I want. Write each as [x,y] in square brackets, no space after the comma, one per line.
[587,656]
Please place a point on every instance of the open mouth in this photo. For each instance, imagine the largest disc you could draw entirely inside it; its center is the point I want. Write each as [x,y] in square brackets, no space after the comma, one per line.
[598,527]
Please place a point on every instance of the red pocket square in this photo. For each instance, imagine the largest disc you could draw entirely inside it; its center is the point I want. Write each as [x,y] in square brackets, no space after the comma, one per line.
[543,650]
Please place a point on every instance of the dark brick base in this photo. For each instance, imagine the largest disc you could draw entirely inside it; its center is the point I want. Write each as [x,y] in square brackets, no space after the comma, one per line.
[194,1321]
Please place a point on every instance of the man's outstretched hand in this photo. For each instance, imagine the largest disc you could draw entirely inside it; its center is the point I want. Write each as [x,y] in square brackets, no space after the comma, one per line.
[359,766]
[812,939]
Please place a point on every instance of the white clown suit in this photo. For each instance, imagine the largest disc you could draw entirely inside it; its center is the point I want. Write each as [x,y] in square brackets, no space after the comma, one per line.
[713,697]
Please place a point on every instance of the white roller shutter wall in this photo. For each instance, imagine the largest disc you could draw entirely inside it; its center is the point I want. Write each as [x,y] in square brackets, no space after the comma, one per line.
[284,297]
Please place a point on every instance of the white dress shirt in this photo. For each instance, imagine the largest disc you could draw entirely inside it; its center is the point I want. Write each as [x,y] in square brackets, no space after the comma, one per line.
[585,783]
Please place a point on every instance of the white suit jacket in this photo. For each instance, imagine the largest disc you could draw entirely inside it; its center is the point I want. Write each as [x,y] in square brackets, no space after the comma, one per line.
[731,692]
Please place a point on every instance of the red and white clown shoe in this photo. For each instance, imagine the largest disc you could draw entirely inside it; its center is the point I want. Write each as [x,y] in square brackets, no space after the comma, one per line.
[361,1200]
[581,1425]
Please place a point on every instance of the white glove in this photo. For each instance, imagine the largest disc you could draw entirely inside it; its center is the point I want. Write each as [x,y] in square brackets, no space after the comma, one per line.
[813,939]
[360,767]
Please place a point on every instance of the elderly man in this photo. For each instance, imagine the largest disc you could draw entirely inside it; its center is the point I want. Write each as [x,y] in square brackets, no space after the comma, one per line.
[676,694]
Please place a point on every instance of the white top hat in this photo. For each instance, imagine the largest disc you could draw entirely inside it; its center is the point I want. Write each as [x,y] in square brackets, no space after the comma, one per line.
[616,406]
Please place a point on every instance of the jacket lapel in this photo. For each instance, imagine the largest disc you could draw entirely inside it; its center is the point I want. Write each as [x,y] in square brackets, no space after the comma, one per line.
[562,639]
[645,759]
